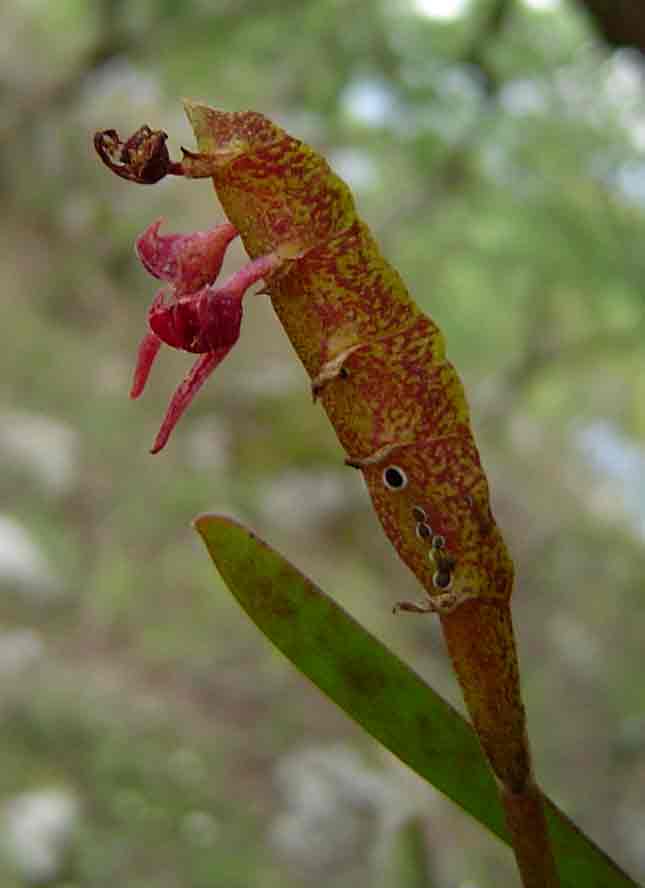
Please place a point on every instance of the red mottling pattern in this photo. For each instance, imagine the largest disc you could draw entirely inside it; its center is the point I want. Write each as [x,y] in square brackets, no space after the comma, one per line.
[376,361]
[344,290]
[276,191]
[446,480]
[398,388]
[240,131]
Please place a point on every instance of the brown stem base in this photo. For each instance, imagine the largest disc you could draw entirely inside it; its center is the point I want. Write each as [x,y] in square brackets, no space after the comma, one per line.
[527,825]
[479,635]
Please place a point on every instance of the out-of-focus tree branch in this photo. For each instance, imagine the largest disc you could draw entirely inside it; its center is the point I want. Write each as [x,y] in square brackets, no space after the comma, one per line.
[486,32]
[497,393]
[620,22]
[110,41]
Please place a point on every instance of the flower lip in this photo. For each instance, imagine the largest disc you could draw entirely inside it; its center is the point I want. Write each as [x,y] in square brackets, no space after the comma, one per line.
[198,323]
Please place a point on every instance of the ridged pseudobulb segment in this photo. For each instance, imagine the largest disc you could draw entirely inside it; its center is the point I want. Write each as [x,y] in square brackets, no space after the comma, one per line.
[444,479]
[345,292]
[396,388]
[338,296]
[276,191]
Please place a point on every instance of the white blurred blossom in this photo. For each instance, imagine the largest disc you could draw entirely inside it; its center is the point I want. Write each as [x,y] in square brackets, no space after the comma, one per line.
[23,564]
[19,649]
[200,828]
[334,803]
[303,501]
[44,447]
[39,828]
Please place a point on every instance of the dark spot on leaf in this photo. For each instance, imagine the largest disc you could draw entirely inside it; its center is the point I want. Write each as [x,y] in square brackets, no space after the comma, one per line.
[362,680]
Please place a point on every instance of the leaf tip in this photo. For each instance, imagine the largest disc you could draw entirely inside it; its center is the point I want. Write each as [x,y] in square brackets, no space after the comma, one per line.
[208,521]
[202,522]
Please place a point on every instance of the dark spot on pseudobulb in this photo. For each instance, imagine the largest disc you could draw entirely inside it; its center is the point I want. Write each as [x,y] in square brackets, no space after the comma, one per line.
[442,580]
[395,478]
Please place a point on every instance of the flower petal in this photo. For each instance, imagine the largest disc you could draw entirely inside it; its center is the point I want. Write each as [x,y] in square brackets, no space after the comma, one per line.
[184,394]
[148,351]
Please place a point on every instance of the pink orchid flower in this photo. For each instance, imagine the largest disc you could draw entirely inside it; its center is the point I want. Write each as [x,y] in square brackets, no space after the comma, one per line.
[192,313]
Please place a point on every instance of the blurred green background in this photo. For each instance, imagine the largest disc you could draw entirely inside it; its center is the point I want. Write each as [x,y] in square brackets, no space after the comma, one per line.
[150,736]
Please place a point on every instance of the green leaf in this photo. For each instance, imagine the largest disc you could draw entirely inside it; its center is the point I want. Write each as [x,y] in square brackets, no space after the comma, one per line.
[380,692]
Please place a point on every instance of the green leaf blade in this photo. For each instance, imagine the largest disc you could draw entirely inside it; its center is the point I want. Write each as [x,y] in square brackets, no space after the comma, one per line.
[380,692]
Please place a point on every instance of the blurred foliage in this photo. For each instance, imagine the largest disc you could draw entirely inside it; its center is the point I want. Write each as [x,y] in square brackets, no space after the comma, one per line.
[501,162]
